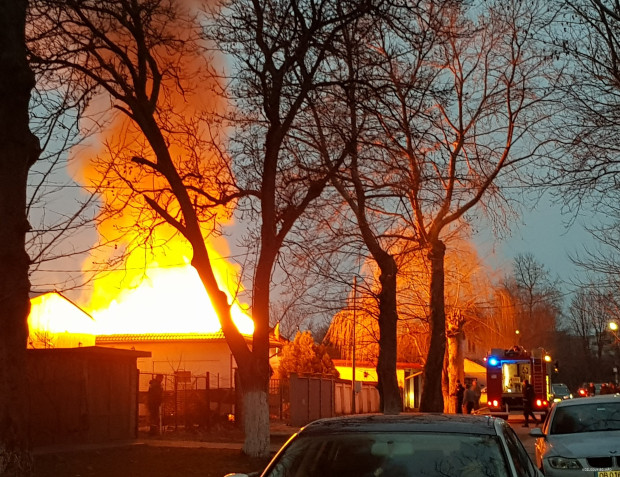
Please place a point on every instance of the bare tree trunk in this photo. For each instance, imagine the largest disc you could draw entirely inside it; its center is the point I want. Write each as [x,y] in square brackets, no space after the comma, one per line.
[432,395]
[255,389]
[255,383]
[391,400]
[253,365]
[258,419]
[445,382]
[19,149]
[454,339]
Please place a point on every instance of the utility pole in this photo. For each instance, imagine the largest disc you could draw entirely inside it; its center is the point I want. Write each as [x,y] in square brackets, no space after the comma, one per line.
[353,407]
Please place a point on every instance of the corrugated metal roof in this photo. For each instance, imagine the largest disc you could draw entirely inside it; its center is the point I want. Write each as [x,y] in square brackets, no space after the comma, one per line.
[160,337]
[91,351]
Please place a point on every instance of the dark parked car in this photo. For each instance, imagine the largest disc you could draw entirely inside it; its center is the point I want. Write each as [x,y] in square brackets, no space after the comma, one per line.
[559,392]
[403,446]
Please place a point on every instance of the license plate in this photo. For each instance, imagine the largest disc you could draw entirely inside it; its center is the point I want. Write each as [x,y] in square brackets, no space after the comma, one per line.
[608,473]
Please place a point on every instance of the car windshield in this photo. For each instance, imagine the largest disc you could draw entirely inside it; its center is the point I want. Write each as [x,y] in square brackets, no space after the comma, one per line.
[560,389]
[392,455]
[590,417]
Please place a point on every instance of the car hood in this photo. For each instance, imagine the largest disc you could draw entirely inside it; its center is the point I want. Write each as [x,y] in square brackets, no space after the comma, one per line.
[585,444]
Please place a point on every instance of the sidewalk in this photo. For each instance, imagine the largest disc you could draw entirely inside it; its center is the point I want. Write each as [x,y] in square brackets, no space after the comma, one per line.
[279,434]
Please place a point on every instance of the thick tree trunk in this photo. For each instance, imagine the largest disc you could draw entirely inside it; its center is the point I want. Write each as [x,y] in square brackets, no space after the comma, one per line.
[19,149]
[256,374]
[254,387]
[391,400]
[253,364]
[432,396]
[255,416]
[253,367]
[455,360]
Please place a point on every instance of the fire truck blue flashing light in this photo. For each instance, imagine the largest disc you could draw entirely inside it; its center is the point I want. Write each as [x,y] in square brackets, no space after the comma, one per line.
[493,361]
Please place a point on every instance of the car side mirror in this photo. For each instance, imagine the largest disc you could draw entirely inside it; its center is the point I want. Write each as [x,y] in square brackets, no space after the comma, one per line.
[537,432]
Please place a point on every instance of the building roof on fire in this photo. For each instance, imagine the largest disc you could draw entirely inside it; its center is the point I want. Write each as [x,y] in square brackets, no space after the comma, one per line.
[167,337]
[150,337]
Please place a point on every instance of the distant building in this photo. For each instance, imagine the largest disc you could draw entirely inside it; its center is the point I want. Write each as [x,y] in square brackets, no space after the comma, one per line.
[57,322]
[194,353]
[190,362]
[409,376]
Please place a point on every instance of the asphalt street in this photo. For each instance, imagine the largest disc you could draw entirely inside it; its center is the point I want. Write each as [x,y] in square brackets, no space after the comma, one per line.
[516,422]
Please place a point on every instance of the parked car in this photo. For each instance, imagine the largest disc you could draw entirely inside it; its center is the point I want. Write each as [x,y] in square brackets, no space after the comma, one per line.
[560,391]
[403,446]
[580,437]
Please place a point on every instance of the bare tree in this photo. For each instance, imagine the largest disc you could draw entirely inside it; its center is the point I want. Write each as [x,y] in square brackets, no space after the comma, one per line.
[436,106]
[279,51]
[467,290]
[20,150]
[478,127]
[537,301]
[588,319]
[586,44]
[60,211]
[139,57]
[365,185]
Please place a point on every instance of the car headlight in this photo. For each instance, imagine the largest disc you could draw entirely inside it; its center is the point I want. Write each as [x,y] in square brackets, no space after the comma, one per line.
[563,463]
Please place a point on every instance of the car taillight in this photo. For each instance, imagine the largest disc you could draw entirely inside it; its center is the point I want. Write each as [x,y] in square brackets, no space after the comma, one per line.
[582,392]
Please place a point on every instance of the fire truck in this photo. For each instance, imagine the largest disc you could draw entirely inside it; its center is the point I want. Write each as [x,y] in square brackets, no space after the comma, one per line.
[506,371]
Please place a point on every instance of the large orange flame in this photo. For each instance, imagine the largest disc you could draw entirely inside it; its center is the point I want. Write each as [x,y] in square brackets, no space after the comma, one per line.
[171,300]
[54,322]
[157,291]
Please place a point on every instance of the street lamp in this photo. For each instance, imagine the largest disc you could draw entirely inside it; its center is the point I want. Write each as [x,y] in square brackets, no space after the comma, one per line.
[613,326]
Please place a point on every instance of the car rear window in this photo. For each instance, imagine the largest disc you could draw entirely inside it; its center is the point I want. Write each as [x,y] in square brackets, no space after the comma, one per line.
[590,417]
[392,455]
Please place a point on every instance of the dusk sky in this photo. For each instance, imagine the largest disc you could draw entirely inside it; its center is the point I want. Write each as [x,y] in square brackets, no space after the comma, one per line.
[545,233]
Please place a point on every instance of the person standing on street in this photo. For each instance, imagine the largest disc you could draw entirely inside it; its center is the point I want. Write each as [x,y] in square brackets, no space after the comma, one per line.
[154,398]
[528,403]
[477,393]
[458,397]
[469,399]
[591,389]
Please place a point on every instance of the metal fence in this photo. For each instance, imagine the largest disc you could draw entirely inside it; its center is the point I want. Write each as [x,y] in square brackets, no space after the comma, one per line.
[189,401]
[279,400]
[198,401]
